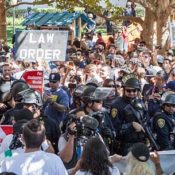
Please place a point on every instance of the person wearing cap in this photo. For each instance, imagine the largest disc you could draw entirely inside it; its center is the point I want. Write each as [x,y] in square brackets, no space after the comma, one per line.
[128,130]
[170,86]
[138,161]
[163,123]
[56,100]
[155,92]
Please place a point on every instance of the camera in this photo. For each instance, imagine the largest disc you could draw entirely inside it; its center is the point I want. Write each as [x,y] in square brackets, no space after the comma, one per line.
[85,127]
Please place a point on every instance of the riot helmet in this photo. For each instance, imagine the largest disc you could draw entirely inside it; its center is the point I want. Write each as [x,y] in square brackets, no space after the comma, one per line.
[169,99]
[30,96]
[17,87]
[87,94]
[132,83]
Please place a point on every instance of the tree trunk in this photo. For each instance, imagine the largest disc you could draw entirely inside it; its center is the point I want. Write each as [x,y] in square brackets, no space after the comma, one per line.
[148,28]
[2,20]
[163,12]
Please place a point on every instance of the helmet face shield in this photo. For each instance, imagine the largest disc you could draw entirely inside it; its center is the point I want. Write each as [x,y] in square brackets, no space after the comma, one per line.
[103,93]
[30,96]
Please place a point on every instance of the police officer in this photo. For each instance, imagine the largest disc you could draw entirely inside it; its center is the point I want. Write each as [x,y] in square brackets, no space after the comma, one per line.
[128,130]
[164,123]
[32,101]
[93,106]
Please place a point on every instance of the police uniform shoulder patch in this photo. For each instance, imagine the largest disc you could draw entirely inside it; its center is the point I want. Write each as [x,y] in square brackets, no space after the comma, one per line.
[114,112]
[161,122]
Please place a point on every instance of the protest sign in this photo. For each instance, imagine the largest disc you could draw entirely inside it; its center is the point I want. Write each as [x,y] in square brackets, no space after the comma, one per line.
[34,79]
[5,130]
[31,45]
[172,34]
[118,3]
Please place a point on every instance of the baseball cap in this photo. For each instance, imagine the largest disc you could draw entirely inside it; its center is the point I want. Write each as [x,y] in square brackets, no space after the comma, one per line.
[160,59]
[140,151]
[170,85]
[54,77]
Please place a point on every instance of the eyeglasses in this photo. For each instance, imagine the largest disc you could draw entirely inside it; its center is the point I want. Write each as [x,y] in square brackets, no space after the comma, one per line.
[131,90]
[170,105]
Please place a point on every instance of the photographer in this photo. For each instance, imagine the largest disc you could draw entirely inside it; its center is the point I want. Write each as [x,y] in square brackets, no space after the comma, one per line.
[79,129]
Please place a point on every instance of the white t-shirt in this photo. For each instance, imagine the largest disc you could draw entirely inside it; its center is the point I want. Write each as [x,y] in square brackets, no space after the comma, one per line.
[113,171]
[6,143]
[35,163]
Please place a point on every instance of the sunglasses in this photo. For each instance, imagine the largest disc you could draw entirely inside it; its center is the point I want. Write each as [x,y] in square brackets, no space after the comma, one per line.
[97,101]
[52,81]
[131,90]
[170,105]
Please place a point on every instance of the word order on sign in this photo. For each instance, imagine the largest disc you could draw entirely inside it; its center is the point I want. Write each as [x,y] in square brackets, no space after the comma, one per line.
[48,54]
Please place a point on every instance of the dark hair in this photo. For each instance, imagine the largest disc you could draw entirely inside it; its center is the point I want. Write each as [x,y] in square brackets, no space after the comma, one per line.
[95,157]
[7,173]
[33,133]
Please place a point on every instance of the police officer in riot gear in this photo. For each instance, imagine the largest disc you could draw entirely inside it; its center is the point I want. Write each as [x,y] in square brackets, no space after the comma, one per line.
[164,123]
[32,100]
[128,129]
[93,98]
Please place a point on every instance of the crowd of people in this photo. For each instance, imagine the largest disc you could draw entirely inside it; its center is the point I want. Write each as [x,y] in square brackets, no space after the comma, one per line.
[100,106]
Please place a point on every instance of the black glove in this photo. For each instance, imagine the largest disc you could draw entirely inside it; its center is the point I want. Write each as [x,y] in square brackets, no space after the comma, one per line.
[106,132]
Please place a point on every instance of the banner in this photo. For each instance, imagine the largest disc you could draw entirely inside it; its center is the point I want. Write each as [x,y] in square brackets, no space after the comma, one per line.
[32,45]
[34,79]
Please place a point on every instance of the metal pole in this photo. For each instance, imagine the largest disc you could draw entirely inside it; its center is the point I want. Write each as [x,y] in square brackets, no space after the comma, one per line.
[13,20]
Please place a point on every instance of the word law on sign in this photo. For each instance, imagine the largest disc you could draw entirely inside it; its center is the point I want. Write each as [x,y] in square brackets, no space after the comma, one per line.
[42,39]
[40,53]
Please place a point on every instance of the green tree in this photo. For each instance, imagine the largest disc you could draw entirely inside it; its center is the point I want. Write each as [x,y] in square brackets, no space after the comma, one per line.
[156,14]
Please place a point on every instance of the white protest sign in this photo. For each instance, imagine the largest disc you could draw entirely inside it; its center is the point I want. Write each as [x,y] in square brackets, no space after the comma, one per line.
[118,3]
[49,45]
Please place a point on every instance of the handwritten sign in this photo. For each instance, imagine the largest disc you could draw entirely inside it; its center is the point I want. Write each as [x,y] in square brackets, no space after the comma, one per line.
[50,45]
[35,79]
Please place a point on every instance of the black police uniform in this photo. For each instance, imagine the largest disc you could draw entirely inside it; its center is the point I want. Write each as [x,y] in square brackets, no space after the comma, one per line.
[126,135]
[164,125]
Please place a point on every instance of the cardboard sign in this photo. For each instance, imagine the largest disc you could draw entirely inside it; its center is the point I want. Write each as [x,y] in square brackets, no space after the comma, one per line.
[34,79]
[50,45]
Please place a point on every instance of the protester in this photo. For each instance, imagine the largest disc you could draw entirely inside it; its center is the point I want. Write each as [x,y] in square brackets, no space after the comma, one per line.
[33,135]
[95,160]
